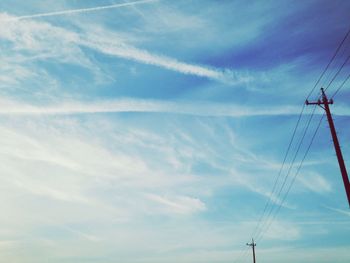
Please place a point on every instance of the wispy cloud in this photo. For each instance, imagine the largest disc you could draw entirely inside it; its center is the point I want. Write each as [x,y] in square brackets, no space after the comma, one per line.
[178,204]
[340,211]
[315,182]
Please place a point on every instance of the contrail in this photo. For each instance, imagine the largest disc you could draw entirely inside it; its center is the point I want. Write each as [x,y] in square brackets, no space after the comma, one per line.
[143,56]
[82,10]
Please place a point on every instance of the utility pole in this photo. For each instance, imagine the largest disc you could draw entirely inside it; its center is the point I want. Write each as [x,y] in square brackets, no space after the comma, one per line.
[253,245]
[325,102]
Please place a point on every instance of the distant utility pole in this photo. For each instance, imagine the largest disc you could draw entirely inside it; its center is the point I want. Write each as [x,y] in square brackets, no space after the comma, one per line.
[325,102]
[253,245]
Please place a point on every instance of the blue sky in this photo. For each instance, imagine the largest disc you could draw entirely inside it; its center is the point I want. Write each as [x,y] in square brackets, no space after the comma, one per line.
[153,131]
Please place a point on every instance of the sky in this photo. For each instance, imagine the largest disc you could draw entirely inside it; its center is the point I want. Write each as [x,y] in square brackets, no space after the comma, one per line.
[155,131]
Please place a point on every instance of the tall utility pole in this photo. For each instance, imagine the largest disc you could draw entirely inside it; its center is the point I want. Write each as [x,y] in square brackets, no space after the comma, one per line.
[253,245]
[325,102]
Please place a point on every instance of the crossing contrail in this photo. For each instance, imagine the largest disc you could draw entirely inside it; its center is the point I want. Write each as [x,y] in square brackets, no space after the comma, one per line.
[82,10]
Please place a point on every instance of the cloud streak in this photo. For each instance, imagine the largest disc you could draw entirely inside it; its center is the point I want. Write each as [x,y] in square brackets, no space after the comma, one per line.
[79,11]
[9,107]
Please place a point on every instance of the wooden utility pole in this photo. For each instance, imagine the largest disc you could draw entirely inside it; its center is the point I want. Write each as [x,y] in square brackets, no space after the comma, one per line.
[253,245]
[324,103]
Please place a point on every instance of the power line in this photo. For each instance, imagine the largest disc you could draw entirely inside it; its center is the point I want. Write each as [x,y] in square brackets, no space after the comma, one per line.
[341,86]
[336,74]
[280,171]
[329,63]
[272,210]
[341,54]
[294,177]
[269,221]
[312,139]
[297,151]
[243,254]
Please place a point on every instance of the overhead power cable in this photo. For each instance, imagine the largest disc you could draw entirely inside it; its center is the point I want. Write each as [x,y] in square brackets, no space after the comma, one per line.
[279,173]
[293,180]
[339,70]
[341,86]
[273,209]
[329,63]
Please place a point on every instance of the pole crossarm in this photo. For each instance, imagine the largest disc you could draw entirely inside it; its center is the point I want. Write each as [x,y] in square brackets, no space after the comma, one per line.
[325,102]
[319,102]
